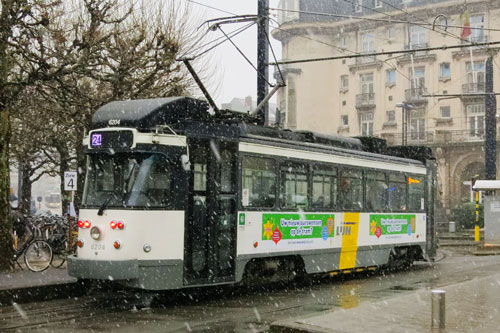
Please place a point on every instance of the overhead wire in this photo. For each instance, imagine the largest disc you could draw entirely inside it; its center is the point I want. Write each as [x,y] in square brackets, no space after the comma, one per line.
[364,18]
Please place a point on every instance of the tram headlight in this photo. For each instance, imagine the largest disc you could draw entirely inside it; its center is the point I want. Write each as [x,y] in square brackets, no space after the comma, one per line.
[95,233]
[147,248]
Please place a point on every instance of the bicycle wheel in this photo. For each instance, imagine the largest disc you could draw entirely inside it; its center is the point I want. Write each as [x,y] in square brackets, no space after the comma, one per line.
[38,256]
[59,255]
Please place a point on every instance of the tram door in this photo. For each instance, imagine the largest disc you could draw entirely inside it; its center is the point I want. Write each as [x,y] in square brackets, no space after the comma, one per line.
[210,242]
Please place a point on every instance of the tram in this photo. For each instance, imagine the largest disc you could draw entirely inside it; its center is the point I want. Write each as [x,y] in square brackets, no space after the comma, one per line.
[176,197]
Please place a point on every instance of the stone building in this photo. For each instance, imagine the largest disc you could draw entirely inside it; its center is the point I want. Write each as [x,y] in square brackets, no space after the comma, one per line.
[359,96]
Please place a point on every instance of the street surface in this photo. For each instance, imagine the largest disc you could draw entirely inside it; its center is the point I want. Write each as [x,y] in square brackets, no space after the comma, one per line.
[237,309]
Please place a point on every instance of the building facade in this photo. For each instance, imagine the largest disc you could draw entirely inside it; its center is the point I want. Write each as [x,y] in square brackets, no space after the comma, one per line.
[365,95]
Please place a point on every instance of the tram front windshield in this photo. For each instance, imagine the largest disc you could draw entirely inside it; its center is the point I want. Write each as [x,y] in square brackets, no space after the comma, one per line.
[138,180]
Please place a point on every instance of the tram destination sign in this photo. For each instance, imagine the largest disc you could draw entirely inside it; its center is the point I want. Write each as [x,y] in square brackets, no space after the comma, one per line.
[111,139]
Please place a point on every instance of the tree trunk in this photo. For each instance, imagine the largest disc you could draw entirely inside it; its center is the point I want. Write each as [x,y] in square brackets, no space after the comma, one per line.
[6,249]
[25,202]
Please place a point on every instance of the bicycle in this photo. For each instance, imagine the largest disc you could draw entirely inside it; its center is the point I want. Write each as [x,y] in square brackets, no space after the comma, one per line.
[37,252]
[58,240]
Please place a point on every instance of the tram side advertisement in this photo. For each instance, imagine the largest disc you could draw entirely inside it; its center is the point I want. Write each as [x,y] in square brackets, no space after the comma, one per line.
[297,228]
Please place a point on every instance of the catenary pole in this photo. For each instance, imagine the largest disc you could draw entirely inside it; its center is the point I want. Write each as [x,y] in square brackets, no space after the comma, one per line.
[490,143]
[263,59]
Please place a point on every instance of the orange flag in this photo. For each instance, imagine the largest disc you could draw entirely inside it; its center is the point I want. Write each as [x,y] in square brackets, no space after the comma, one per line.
[466,25]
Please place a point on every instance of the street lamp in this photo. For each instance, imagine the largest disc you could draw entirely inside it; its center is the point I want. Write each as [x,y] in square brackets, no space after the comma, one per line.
[404,107]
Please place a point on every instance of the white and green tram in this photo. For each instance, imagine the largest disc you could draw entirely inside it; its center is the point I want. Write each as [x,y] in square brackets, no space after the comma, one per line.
[178,197]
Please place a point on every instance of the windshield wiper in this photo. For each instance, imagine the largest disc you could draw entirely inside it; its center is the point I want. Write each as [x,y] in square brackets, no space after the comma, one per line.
[105,204]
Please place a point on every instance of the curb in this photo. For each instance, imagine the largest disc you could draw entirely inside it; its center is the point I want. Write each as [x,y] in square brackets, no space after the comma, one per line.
[40,293]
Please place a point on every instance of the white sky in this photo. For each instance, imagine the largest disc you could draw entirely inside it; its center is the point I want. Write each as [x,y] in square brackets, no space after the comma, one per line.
[237,78]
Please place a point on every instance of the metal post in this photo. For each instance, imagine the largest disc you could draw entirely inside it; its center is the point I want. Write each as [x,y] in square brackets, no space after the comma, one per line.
[438,312]
[477,236]
[490,143]
[263,59]
[405,126]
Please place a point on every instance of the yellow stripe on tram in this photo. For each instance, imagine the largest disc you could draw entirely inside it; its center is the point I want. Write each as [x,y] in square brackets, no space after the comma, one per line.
[349,241]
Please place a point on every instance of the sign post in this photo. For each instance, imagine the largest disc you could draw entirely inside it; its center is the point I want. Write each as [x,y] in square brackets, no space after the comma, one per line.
[70,184]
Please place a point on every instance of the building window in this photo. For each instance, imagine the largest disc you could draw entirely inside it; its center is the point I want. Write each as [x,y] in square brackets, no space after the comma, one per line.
[417,124]
[418,37]
[477,31]
[367,124]
[356,6]
[366,83]
[444,70]
[417,77]
[289,11]
[391,34]
[445,112]
[391,116]
[475,119]
[367,42]
[475,74]
[344,82]
[377,4]
[344,120]
[390,77]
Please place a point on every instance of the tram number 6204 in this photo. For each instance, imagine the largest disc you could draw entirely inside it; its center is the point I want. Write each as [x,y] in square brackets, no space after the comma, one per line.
[97,246]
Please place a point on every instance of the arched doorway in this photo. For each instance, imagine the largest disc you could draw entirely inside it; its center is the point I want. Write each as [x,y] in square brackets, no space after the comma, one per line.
[472,170]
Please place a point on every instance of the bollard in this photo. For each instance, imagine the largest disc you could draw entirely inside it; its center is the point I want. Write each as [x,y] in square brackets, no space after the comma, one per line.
[438,309]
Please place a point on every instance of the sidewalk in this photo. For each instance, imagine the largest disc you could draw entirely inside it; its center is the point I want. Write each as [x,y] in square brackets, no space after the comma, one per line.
[21,284]
[470,306]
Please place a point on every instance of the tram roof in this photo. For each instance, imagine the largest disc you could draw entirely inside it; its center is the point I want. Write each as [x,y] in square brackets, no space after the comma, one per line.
[148,113]
[191,115]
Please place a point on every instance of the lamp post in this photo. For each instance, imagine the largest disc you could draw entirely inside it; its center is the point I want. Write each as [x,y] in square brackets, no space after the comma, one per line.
[404,109]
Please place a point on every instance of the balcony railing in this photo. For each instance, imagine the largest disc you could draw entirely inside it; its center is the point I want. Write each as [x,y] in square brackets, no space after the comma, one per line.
[366,59]
[414,95]
[470,87]
[436,137]
[365,100]
[416,47]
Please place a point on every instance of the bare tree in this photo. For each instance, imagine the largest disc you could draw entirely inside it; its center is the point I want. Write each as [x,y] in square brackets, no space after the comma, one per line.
[78,56]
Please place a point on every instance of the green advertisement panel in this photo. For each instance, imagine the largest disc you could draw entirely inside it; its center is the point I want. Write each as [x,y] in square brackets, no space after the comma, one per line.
[297,226]
[392,224]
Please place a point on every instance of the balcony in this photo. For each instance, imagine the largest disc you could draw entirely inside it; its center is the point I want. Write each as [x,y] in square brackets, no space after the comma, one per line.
[365,101]
[436,138]
[366,59]
[414,95]
[366,62]
[416,47]
[470,88]
[418,56]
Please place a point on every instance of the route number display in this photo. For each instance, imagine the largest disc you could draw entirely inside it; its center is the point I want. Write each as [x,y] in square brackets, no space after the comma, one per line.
[70,180]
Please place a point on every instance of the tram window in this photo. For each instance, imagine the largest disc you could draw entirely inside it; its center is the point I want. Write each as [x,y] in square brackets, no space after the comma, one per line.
[351,190]
[258,183]
[105,168]
[200,177]
[159,184]
[397,192]
[415,193]
[376,191]
[293,192]
[324,187]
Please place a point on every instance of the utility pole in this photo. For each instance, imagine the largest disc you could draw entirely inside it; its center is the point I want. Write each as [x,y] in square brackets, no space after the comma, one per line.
[263,59]
[490,143]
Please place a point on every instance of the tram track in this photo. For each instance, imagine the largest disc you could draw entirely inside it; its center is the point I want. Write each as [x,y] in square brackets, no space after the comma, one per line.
[240,309]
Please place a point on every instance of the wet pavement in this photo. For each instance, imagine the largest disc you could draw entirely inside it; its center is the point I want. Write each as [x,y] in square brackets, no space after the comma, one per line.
[389,302]
[471,306]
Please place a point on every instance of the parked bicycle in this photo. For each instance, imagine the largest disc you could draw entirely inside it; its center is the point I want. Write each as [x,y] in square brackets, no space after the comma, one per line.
[37,252]
[58,240]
